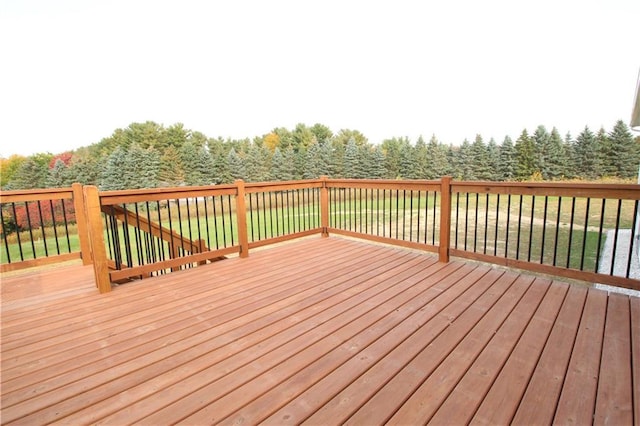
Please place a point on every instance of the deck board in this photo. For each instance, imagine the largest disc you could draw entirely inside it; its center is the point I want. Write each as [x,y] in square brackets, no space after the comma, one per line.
[319,331]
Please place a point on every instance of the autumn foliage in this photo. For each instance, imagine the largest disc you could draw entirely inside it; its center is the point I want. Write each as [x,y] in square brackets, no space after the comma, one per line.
[34,214]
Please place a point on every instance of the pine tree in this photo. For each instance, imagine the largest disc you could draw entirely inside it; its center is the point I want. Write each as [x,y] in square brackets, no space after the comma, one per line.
[438,159]
[479,166]
[525,156]
[236,166]
[421,155]
[623,156]
[257,164]
[464,161]
[112,177]
[377,169]
[279,169]
[197,164]
[31,173]
[58,176]
[220,171]
[555,165]
[314,165]
[86,169]
[569,148]
[171,172]
[508,161]
[493,160]
[588,161]
[351,160]
[407,162]
[541,147]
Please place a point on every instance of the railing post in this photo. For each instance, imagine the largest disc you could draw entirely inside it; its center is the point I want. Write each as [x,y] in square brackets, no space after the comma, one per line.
[445,219]
[96,238]
[241,214]
[324,206]
[81,223]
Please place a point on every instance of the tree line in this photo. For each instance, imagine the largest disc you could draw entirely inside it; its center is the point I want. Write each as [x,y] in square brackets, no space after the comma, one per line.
[148,155]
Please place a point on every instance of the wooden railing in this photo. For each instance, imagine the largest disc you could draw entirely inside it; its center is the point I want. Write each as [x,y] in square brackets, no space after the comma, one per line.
[580,231]
[43,226]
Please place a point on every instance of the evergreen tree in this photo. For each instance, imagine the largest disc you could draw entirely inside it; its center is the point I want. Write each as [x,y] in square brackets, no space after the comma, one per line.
[464,161]
[236,166]
[555,164]
[623,155]
[508,160]
[479,166]
[257,164]
[438,159]
[197,164]
[314,164]
[86,169]
[328,160]
[421,156]
[569,148]
[220,171]
[407,162]
[377,169]
[335,150]
[279,169]
[588,161]
[113,177]
[57,176]
[541,147]
[351,160]
[392,149]
[171,171]
[525,156]
[290,158]
[493,160]
[31,174]
[140,167]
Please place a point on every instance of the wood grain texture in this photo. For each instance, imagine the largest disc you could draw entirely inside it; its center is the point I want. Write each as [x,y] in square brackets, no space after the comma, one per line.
[318,331]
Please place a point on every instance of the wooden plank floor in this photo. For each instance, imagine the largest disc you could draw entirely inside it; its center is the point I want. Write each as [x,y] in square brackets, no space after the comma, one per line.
[320,331]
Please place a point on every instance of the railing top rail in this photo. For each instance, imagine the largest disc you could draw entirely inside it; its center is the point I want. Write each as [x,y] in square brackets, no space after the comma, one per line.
[158,194]
[252,187]
[414,185]
[36,195]
[598,190]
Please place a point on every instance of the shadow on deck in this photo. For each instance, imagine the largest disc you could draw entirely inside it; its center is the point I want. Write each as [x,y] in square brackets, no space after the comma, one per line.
[322,331]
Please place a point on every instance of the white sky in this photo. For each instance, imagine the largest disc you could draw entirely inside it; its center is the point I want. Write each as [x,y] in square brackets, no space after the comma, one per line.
[71,72]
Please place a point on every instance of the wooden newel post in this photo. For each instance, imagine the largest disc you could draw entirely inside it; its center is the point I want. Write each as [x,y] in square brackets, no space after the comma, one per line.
[81,223]
[445,219]
[241,214]
[96,238]
[324,206]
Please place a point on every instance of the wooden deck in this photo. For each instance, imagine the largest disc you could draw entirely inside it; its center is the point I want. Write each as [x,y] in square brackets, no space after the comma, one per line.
[320,331]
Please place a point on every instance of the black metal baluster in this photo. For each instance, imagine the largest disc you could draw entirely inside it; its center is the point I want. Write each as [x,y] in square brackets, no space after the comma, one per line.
[519,227]
[555,246]
[544,228]
[615,238]
[585,234]
[506,239]
[66,225]
[233,241]
[495,240]
[633,238]
[600,235]
[55,228]
[533,208]
[573,210]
